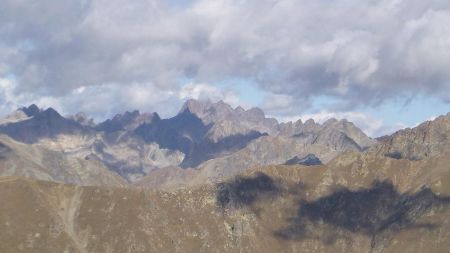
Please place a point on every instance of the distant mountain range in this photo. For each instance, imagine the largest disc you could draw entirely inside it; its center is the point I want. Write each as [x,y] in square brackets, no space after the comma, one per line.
[202,135]
[219,179]
[213,138]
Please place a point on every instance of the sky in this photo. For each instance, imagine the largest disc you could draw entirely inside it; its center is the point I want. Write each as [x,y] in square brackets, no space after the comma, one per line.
[383,64]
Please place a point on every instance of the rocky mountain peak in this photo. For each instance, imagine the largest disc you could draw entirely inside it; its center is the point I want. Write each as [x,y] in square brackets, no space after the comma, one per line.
[50,113]
[239,109]
[330,121]
[31,110]
[255,113]
[310,126]
[127,121]
[310,122]
[226,121]
[128,115]
[349,129]
[298,122]
[221,108]
[194,106]
[308,160]
[44,124]
[208,111]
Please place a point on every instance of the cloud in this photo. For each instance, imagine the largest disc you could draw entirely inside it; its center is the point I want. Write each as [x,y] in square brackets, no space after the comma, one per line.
[280,105]
[204,91]
[360,52]
[104,101]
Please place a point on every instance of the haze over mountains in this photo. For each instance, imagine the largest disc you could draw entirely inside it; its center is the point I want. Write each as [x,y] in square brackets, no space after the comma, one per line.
[219,179]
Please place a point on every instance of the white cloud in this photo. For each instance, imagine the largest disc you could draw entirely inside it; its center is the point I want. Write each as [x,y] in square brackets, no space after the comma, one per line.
[105,101]
[204,91]
[297,43]
[360,52]
[280,105]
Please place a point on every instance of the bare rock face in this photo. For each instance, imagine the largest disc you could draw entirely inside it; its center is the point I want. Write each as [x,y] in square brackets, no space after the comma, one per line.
[324,141]
[227,121]
[187,133]
[120,152]
[429,139]
[34,161]
[333,132]
[128,121]
[132,158]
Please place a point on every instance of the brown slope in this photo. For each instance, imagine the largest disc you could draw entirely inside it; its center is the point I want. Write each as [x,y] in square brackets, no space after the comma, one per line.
[357,203]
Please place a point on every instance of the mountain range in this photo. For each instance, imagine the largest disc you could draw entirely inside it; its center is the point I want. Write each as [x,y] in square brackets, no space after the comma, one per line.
[203,135]
[214,178]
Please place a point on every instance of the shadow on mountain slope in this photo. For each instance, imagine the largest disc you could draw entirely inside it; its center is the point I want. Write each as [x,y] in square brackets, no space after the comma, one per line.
[207,149]
[5,150]
[43,124]
[375,212]
[178,133]
[244,191]
[187,133]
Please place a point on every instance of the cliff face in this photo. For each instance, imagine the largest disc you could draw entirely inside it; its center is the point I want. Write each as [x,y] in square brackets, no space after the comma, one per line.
[357,203]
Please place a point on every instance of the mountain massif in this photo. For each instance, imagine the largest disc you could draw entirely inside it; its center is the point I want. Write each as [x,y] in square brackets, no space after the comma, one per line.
[203,135]
[219,179]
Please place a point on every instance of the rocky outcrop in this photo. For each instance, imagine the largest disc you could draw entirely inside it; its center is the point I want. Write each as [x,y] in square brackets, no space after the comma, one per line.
[226,121]
[335,133]
[309,160]
[429,139]
[128,121]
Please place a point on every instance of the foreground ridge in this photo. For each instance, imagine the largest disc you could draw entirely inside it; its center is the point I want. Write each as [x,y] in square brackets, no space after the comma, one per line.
[272,209]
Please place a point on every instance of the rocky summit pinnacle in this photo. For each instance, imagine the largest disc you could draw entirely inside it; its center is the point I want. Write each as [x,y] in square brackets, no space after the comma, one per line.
[31,110]
[127,121]
[227,121]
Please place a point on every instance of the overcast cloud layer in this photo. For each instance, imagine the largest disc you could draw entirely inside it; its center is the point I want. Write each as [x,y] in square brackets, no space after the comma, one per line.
[139,53]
